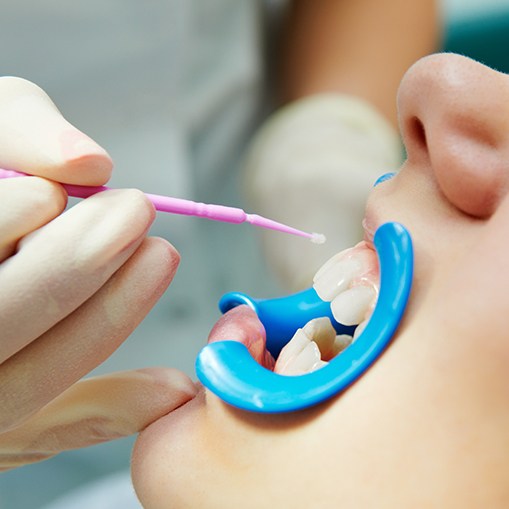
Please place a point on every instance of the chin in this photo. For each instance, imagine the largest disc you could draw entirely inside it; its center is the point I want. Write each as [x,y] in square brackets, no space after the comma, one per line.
[160,464]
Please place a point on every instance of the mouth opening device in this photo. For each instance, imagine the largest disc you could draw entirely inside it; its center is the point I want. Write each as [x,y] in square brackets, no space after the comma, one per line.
[229,371]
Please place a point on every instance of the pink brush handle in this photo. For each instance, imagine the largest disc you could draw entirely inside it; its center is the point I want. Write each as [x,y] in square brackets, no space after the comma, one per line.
[187,207]
[192,208]
[161,203]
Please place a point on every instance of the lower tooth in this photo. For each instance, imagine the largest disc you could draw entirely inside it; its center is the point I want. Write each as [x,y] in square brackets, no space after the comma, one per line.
[321,331]
[291,350]
[340,343]
[359,329]
[351,306]
[316,342]
[306,361]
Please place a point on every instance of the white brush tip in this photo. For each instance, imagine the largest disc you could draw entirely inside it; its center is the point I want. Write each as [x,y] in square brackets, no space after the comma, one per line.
[317,238]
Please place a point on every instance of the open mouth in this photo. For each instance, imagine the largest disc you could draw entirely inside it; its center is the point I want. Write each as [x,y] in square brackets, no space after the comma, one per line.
[364,287]
[350,281]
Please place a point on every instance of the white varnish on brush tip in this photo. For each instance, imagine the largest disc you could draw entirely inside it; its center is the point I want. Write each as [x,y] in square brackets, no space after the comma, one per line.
[318,238]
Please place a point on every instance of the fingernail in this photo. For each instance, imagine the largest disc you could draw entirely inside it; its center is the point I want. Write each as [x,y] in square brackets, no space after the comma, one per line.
[75,144]
[36,139]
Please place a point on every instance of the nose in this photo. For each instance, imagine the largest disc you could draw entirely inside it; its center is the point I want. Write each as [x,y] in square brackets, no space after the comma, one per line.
[454,119]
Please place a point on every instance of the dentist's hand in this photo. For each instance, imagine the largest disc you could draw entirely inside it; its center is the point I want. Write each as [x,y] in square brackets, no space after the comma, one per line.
[73,286]
[312,165]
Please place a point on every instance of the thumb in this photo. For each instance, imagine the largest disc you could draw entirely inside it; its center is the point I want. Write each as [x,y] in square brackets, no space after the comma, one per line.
[96,410]
[35,138]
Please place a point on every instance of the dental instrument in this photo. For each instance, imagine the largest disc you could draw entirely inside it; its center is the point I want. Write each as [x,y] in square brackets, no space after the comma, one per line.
[189,208]
[229,371]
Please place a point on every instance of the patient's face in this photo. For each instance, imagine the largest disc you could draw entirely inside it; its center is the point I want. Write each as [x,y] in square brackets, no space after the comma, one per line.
[428,423]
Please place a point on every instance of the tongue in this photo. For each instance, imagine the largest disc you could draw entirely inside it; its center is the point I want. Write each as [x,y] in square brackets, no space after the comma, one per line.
[242,324]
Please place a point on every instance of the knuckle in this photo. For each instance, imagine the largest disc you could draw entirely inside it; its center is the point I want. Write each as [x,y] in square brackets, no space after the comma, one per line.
[47,195]
[138,203]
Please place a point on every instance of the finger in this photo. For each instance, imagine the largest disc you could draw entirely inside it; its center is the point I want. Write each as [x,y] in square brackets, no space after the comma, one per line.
[96,410]
[36,139]
[25,205]
[76,345]
[61,265]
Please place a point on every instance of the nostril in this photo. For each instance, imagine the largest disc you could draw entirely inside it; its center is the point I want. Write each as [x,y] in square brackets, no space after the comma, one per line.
[415,137]
[418,132]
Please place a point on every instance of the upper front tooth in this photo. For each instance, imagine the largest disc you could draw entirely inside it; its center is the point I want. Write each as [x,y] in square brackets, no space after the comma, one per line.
[332,261]
[346,269]
[351,307]
[335,276]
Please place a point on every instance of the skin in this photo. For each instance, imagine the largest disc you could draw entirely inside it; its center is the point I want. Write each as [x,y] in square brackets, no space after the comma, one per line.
[428,424]
[345,47]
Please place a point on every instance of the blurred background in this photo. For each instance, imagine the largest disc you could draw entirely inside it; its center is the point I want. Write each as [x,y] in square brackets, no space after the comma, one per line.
[129,74]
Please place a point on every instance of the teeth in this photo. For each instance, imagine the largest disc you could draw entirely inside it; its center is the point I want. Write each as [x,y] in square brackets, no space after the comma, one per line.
[306,361]
[349,280]
[350,307]
[309,345]
[321,331]
[299,356]
[344,269]
[335,276]
[340,343]
[291,350]
[360,328]
[311,348]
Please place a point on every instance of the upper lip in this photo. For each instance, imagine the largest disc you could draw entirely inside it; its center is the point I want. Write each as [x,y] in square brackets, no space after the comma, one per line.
[370,228]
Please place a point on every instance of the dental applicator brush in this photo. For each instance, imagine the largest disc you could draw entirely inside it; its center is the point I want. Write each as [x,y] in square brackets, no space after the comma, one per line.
[189,208]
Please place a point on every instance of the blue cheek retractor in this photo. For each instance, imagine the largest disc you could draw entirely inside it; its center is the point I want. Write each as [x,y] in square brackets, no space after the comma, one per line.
[229,371]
